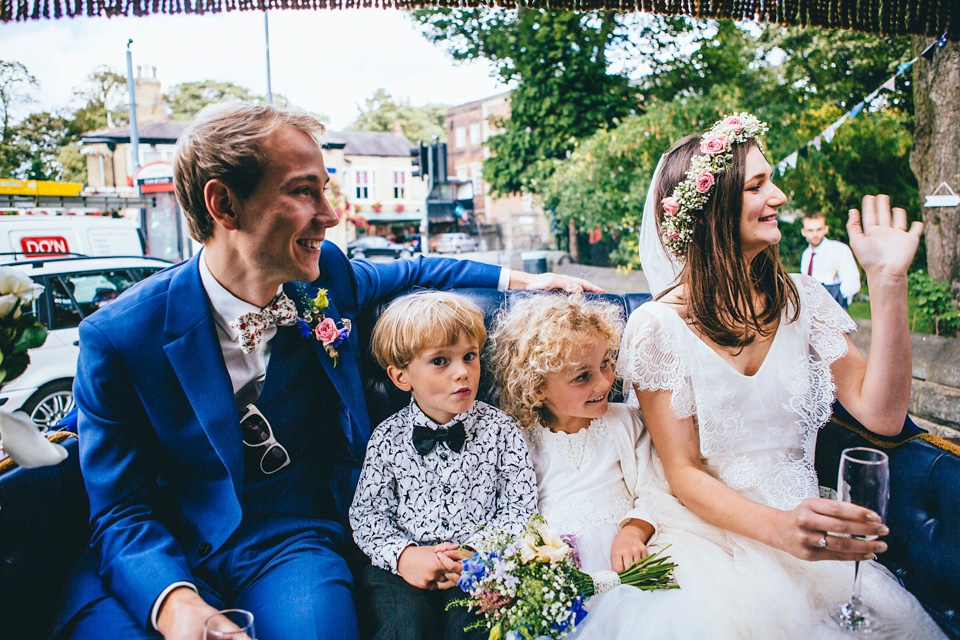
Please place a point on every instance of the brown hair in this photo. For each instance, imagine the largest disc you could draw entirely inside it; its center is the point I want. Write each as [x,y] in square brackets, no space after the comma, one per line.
[225,142]
[424,320]
[718,283]
[539,337]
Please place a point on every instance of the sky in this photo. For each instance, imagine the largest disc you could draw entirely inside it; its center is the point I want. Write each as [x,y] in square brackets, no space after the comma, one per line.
[327,62]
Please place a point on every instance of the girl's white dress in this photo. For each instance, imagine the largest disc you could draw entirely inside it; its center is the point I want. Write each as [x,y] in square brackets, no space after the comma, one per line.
[757,435]
[587,487]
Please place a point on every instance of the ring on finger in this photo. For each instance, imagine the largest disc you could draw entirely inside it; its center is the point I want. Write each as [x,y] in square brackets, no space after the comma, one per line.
[822,542]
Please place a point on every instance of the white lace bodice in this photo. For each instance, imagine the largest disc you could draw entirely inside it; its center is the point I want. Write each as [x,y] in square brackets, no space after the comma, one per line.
[757,433]
[581,478]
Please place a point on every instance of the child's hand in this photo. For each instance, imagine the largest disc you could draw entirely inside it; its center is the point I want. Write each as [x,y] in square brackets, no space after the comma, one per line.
[630,544]
[452,567]
[422,566]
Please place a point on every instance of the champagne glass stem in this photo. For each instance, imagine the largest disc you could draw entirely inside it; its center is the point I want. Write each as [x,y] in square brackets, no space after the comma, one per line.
[855,596]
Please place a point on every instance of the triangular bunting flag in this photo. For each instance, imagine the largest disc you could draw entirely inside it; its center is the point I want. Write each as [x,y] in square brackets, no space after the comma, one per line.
[891,84]
[803,151]
[791,160]
[857,109]
[815,143]
[829,132]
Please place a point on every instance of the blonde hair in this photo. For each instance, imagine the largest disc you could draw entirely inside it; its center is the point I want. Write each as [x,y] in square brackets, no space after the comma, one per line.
[535,339]
[424,320]
[225,142]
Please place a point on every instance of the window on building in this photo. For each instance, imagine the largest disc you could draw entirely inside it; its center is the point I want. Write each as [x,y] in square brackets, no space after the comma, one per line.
[476,176]
[399,184]
[475,134]
[461,137]
[363,184]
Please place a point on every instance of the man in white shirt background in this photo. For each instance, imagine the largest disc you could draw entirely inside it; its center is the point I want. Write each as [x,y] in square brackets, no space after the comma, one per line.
[829,261]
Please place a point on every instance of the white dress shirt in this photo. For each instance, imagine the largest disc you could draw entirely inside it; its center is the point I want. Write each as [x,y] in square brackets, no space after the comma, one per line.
[833,263]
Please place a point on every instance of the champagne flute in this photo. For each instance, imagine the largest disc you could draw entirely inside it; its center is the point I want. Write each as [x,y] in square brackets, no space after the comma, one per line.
[863,479]
[229,624]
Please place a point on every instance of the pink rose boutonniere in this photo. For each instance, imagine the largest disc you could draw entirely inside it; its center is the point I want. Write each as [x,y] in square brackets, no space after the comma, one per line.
[324,330]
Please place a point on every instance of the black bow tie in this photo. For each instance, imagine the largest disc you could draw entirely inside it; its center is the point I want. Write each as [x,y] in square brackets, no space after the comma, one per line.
[425,439]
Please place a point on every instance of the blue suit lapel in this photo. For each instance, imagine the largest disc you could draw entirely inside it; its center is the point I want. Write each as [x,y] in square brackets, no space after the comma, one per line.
[345,376]
[195,355]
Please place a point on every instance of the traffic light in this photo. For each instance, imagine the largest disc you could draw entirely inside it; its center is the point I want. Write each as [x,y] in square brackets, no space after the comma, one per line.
[418,158]
[438,157]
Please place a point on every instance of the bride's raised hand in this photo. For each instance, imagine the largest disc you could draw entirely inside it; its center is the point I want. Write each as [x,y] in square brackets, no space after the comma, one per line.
[880,237]
[810,531]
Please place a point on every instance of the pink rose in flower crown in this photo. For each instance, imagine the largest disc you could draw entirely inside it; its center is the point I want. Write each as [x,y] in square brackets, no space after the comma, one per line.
[713,143]
[326,331]
[704,181]
[670,205]
[734,122]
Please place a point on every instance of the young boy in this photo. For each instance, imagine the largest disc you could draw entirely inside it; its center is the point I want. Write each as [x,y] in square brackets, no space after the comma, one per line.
[435,472]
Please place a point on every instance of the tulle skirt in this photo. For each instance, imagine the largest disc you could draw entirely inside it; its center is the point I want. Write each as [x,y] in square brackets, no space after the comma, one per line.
[627,613]
[748,590]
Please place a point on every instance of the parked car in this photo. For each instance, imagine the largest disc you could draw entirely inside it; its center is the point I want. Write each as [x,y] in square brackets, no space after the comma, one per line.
[73,288]
[373,246]
[455,243]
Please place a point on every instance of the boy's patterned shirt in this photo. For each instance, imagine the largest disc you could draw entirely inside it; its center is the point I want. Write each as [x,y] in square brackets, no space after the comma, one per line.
[404,498]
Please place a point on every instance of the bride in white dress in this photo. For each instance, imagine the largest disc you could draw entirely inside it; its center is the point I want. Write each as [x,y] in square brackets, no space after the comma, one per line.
[735,366]
[553,357]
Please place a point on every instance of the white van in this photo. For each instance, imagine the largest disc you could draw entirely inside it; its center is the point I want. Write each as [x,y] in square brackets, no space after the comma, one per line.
[23,237]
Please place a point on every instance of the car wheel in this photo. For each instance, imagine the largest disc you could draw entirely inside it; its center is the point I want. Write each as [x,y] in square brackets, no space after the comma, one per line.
[48,406]
[406,254]
[359,254]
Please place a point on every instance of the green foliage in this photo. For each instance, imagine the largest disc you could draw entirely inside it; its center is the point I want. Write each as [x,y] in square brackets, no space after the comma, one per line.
[603,183]
[934,301]
[565,91]
[16,84]
[187,98]
[17,335]
[870,154]
[382,113]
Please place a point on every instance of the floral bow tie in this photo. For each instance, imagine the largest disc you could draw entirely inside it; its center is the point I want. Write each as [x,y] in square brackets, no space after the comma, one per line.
[280,311]
[425,438]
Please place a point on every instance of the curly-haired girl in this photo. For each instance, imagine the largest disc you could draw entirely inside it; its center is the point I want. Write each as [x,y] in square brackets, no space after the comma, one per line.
[553,357]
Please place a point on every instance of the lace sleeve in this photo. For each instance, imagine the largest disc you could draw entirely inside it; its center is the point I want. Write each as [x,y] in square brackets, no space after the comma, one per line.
[650,359]
[828,321]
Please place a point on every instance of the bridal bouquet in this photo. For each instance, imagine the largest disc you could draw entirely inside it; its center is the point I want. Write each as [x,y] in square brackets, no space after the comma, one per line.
[532,586]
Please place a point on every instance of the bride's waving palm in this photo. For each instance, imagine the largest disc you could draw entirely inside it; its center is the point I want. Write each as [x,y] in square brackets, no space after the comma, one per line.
[880,237]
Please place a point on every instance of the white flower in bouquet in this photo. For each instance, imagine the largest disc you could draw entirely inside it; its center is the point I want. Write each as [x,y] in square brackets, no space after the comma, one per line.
[16,291]
[20,332]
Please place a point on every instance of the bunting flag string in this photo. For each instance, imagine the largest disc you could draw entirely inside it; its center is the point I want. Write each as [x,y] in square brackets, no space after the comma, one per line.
[790,162]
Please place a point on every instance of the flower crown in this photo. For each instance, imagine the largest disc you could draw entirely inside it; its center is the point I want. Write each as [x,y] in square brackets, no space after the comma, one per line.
[691,195]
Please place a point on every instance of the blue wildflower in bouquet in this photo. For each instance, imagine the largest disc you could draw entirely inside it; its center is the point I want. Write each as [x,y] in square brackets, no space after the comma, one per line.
[532,587]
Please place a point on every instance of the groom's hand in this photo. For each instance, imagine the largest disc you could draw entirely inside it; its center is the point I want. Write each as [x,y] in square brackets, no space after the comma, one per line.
[524,280]
[182,615]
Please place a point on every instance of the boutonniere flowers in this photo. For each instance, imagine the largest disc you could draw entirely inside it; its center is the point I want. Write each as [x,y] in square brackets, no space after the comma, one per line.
[325,330]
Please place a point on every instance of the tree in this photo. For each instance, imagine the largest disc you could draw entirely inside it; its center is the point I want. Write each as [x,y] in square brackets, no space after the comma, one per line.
[564,92]
[382,113]
[936,154]
[187,98]
[15,85]
[104,93]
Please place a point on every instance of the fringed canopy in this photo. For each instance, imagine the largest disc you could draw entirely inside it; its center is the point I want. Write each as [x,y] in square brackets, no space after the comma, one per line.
[885,17]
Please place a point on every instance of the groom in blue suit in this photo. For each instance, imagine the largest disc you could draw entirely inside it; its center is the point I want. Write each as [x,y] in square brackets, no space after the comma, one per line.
[222,420]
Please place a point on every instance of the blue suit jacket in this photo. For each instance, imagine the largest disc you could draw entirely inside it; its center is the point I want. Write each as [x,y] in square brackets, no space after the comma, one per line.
[160,444]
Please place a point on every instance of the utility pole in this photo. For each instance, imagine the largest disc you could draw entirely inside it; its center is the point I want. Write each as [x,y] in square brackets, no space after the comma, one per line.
[134,134]
[266,37]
